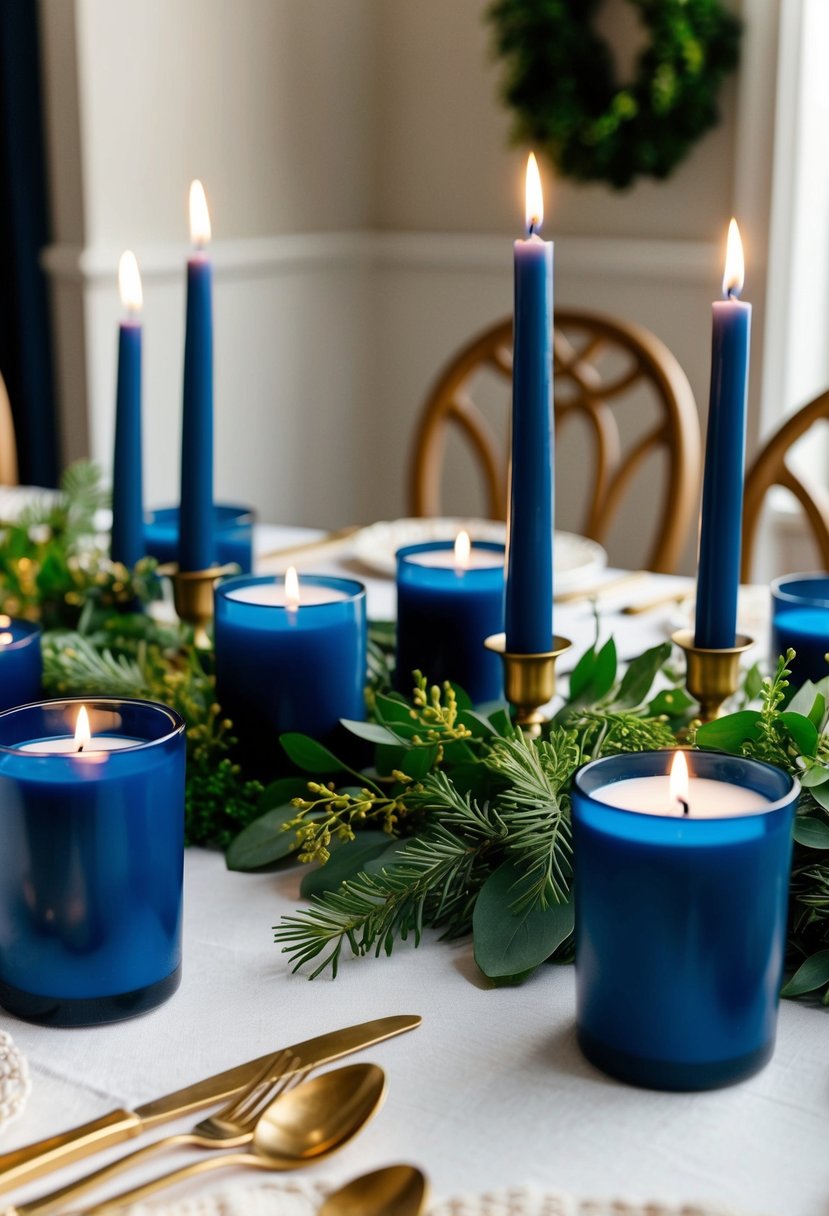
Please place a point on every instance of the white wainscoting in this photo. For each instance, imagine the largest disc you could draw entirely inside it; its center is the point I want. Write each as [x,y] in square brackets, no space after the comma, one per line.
[326,345]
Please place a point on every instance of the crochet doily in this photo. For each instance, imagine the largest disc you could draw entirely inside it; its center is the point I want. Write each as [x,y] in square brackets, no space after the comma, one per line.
[302,1198]
[14,1080]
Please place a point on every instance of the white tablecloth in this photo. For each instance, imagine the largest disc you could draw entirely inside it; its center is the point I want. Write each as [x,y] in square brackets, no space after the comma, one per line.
[491,1091]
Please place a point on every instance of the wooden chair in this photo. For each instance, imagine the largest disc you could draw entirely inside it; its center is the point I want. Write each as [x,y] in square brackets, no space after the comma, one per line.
[599,363]
[770,469]
[8,444]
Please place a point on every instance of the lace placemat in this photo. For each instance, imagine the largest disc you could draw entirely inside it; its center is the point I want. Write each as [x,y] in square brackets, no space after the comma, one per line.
[303,1198]
[14,1080]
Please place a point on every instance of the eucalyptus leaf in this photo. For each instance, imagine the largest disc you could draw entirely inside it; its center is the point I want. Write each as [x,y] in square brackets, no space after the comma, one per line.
[508,947]
[818,711]
[346,861]
[811,832]
[802,730]
[582,673]
[726,734]
[310,755]
[812,974]
[814,776]
[820,793]
[477,723]
[373,732]
[753,682]
[280,792]
[671,702]
[394,709]
[264,841]
[418,761]
[804,699]
[640,675]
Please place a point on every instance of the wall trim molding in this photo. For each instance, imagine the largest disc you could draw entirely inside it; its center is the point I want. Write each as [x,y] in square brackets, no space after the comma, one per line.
[602,257]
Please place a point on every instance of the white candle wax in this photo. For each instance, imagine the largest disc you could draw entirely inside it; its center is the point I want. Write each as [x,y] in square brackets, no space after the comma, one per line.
[707,799]
[273,595]
[479,559]
[67,745]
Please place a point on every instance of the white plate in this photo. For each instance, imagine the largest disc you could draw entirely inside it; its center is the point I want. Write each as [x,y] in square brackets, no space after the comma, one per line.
[577,559]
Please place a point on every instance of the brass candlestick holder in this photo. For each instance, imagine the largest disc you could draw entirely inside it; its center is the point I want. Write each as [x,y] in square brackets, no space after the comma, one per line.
[712,676]
[529,681]
[193,596]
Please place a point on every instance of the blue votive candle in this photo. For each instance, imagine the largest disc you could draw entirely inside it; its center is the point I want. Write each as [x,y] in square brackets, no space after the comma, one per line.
[21,665]
[680,917]
[290,656]
[232,529]
[448,603]
[800,619]
[92,840]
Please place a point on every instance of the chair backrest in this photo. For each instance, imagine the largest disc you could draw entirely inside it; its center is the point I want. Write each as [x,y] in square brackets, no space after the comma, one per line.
[8,443]
[599,363]
[770,468]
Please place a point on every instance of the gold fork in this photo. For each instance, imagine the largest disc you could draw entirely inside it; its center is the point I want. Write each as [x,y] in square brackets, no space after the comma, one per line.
[230,1127]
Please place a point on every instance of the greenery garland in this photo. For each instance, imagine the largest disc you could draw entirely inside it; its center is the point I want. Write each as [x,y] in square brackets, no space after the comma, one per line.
[460,824]
[561,83]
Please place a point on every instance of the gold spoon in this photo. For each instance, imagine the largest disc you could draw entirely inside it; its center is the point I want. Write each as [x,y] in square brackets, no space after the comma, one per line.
[302,1126]
[397,1190]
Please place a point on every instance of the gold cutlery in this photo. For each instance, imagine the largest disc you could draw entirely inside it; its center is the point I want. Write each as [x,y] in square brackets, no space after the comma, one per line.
[397,1190]
[657,601]
[34,1160]
[231,1127]
[298,1128]
[598,589]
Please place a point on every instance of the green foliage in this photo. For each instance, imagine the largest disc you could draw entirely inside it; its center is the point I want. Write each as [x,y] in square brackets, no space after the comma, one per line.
[484,817]
[561,83]
[794,735]
[53,565]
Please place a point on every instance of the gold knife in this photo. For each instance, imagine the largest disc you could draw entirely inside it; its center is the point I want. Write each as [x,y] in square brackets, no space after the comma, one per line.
[23,1164]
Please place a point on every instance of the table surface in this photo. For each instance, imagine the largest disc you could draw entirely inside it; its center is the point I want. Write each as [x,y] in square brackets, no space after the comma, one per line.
[490,1091]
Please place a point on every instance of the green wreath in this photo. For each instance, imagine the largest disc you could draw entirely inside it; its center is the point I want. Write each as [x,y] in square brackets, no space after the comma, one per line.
[561,83]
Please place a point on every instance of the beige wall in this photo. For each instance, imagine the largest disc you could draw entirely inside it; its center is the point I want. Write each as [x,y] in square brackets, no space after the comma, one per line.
[364,198]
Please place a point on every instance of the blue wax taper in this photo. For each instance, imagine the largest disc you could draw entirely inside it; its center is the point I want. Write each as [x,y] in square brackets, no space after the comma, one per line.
[127,544]
[680,924]
[529,580]
[21,664]
[196,539]
[92,847]
[718,573]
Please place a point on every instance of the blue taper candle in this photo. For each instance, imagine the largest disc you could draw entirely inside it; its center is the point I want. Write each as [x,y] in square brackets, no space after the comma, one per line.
[127,543]
[196,541]
[529,585]
[718,573]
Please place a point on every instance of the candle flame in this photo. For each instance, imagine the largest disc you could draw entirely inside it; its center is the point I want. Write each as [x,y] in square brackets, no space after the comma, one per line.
[5,621]
[199,215]
[6,639]
[735,271]
[82,732]
[463,550]
[129,282]
[291,588]
[534,199]
[679,784]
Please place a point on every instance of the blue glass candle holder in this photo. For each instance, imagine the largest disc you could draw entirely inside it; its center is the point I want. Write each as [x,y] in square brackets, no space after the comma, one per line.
[288,669]
[800,619]
[92,844]
[444,615]
[680,923]
[21,664]
[233,530]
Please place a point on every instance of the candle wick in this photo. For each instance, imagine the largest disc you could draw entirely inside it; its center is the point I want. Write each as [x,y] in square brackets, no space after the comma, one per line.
[80,747]
[532,228]
[686,810]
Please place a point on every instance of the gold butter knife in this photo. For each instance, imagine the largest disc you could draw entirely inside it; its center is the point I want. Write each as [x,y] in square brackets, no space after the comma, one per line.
[23,1164]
